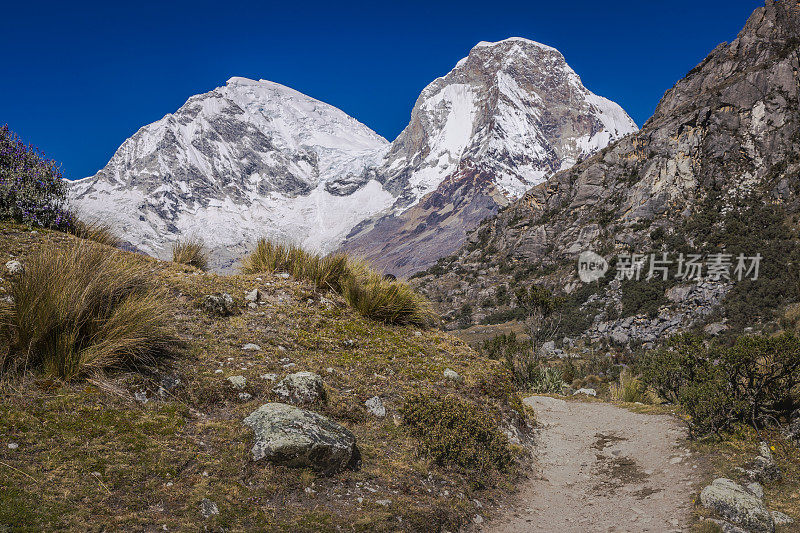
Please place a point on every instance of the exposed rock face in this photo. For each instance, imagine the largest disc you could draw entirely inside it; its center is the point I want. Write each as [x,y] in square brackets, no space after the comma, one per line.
[731,127]
[294,437]
[732,502]
[506,117]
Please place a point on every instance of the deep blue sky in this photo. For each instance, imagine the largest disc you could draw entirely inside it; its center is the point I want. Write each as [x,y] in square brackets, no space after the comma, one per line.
[78,78]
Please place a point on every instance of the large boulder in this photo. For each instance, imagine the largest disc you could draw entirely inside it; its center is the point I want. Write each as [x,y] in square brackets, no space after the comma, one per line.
[300,388]
[290,436]
[734,503]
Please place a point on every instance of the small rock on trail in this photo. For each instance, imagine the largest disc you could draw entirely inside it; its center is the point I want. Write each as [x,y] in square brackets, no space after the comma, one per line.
[606,469]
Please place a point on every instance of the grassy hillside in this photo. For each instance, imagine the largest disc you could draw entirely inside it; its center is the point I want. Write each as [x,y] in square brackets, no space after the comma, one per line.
[90,454]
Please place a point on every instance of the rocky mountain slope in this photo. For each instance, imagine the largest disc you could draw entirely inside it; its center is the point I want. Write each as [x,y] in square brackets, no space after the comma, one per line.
[506,117]
[714,170]
[255,157]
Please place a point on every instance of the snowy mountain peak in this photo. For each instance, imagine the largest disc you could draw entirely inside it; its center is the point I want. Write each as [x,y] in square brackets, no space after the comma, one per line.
[255,158]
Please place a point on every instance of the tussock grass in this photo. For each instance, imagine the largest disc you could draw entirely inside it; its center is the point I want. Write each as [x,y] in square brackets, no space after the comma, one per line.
[191,252]
[368,291]
[94,231]
[631,389]
[79,311]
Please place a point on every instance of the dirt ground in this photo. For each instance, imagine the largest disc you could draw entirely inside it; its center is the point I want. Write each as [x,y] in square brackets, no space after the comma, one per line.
[604,468]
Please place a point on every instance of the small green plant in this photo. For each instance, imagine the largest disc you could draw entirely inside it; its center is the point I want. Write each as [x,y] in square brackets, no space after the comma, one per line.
[389,301]
[191,252]
[82,310]
[546,380]
[453,432]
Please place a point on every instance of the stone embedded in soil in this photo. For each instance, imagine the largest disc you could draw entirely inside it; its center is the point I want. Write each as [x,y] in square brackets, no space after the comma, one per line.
[733,502]
[375,406]
[238,382]
[301,388]
[294,437]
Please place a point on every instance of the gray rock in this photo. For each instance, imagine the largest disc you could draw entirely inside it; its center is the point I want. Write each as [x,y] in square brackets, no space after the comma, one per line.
[735,504]
[300,388]
[452,375]
[782,519]
[13,445]
[245,396]
[238,382]
[548,348]
[140,396]
[375,406]
[756,490]
[208,508]
[253,296]
[290,436]
[14,267]
[715,329]
[250,347]
[219,304]
[764,468]
[619,337]
[587,392]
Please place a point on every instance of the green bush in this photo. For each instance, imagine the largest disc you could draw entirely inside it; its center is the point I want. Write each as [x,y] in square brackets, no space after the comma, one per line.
[82,310]
[456,433]
[750,382]
[671,368]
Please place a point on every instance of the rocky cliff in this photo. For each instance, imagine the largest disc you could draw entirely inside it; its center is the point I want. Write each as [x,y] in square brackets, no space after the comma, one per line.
[715,170]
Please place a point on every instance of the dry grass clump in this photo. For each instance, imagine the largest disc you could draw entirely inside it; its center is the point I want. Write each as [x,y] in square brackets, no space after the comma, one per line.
[191,252]
[366,290]
[79,311]
[94,231]
[631,389]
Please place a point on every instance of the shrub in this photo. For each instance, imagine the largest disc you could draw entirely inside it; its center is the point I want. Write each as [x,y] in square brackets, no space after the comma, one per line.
[750,382]
[670,369]
[32,190]
[369,292]
[324,272]
[81,310]
[190,252]
[452,432]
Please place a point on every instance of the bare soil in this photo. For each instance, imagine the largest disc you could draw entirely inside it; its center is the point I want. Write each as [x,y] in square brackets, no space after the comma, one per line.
[604,468]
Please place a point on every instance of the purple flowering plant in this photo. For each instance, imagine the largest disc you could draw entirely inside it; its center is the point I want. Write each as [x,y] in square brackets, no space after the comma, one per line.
[32,188]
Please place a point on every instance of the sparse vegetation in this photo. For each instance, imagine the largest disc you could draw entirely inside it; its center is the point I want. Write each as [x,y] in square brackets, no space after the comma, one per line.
[79,311]
[454,432]
[630,389]
[369,292]
[190,252]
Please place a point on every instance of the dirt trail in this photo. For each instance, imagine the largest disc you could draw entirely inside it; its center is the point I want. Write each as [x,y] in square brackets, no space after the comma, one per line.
[603,468]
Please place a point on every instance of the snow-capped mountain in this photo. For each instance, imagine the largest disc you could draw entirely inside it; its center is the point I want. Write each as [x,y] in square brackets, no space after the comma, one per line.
[255,158]
[505,118]
[250,159]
